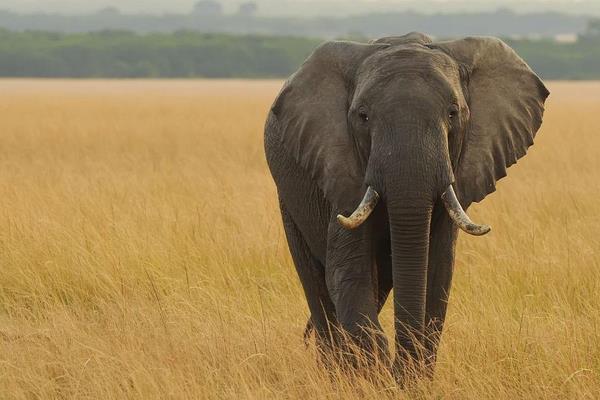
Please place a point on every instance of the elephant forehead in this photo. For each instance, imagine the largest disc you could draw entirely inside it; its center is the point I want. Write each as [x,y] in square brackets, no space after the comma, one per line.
[411,71]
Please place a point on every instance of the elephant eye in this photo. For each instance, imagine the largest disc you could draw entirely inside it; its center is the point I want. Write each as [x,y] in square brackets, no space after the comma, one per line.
[363,116]
[453,111]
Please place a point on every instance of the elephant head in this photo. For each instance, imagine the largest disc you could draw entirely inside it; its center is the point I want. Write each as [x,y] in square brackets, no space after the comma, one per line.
[413,122]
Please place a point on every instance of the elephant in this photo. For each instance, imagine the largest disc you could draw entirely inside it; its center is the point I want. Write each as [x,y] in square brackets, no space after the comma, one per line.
[413,131]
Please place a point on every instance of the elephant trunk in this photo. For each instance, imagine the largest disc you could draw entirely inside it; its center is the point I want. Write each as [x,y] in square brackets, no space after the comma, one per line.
[410,218]
[411,176]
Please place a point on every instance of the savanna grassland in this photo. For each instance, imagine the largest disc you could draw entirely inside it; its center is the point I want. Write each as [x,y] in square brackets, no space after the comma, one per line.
[142,255]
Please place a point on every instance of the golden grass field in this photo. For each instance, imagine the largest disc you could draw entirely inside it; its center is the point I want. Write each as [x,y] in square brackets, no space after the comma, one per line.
[142,255]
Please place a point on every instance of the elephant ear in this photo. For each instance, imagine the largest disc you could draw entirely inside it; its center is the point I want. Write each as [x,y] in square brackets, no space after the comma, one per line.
[506,103]
[311,113]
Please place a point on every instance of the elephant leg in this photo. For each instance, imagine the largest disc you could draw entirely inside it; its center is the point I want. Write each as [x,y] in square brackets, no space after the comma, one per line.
[439,280]
[383,289]
[312,277]
[350,279]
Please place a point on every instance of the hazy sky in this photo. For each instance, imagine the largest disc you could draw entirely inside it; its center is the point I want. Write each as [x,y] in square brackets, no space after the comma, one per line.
[306,7]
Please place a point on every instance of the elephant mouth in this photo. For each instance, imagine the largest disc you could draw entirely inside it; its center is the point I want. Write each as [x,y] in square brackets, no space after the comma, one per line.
[451,203]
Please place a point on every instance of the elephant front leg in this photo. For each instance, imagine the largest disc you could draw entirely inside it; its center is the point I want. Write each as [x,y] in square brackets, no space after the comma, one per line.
[350,281]
[439,280]
[312,276]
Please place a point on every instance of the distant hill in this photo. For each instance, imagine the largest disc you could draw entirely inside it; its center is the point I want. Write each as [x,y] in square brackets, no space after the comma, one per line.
[499,23]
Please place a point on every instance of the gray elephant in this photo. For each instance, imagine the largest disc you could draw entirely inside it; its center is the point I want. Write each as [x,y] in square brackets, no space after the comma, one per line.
[418,130]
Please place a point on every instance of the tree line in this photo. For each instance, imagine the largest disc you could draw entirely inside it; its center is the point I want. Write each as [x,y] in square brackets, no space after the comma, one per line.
[189,54]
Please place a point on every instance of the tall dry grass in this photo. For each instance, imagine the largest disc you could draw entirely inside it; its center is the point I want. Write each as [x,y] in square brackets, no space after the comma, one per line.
[142,255]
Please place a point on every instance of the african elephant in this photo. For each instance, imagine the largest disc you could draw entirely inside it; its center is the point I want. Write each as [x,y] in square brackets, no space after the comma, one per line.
[417,129]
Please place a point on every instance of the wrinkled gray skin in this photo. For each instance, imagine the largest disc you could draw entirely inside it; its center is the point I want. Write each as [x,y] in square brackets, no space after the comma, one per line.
[408,117]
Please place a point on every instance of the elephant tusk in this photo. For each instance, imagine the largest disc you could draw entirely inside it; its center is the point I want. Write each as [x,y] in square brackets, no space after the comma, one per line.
[362,212]
[459,216]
